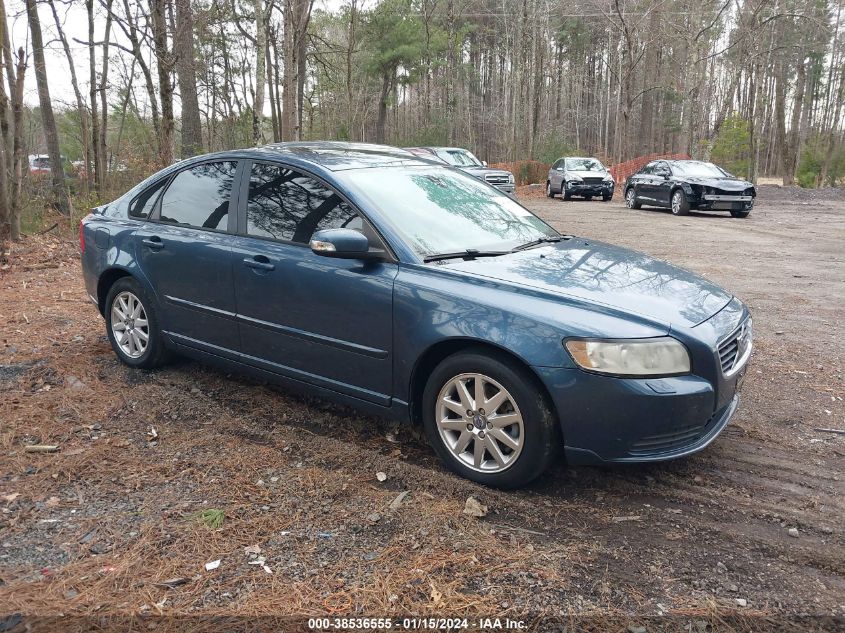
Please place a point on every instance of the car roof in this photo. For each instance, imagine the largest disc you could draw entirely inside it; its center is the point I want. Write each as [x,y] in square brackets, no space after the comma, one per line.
[337,155]
[327,155]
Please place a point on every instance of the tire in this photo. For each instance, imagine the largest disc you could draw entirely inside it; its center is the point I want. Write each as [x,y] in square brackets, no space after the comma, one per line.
[566,194]
[127,303]
[549,192]
[741,214]
[588,198]
[679,203]
[532,437]
[631,199]
[606,198]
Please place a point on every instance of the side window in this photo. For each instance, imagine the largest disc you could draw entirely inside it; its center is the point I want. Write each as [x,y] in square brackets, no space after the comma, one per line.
[648,169]
[141,207]
[199,196]
[284,204]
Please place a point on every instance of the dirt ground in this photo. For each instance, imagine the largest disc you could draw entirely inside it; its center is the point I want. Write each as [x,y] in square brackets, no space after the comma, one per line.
[112,524]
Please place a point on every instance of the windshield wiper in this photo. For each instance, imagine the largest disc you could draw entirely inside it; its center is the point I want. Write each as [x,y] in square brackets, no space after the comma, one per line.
[470,253]
[537,242]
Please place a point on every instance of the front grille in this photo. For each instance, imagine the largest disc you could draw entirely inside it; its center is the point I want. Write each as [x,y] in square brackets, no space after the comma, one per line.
[734,346]
[496,179]
[593,180]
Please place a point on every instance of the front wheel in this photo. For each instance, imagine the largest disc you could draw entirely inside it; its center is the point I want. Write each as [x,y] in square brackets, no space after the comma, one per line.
[740,214]
[488,421]
[631,199]
[549,192]
[606,198]
[132,325]
[567,195]
[680,204]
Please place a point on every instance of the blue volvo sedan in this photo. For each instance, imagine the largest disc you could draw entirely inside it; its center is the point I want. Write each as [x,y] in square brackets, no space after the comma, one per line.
[409,289]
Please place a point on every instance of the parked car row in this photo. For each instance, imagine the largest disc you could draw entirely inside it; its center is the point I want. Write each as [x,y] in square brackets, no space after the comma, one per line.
[678,185]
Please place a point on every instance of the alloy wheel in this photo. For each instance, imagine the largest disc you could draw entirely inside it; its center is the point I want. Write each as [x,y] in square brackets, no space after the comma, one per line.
[676,202]
[630,197]
[479,423]
[129,324]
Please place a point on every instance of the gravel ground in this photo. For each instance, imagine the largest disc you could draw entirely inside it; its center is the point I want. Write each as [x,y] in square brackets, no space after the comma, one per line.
[111,524]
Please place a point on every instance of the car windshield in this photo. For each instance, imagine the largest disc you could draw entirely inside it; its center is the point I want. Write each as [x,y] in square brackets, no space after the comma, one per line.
[459,157]
[697,169]
[584,164]
[439,210]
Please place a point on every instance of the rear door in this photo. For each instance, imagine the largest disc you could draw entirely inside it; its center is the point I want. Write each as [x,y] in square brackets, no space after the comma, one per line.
[556,175]
[186,254]
[662,185]
[320,320]
[642,183]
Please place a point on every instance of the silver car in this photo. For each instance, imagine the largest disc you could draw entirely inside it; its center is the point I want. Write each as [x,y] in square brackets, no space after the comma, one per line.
[578,176]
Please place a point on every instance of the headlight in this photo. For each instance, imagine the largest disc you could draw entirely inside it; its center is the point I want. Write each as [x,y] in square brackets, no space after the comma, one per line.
[574,178]
[636,357]
[511,179]
[608,178]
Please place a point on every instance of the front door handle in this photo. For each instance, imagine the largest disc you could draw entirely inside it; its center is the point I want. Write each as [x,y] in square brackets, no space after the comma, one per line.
[259,262]
[153,242]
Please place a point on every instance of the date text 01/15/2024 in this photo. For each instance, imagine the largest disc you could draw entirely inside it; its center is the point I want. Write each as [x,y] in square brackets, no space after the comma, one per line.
[412,624]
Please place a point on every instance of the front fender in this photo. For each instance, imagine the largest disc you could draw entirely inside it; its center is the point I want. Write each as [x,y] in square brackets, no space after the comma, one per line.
[430,308]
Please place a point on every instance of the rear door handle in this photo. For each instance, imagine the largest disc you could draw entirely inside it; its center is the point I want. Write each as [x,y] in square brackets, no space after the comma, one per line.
[259,262]
[154,243]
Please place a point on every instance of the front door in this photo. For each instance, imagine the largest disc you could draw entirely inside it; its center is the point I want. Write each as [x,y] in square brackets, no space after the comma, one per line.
[186,254]
[320,320]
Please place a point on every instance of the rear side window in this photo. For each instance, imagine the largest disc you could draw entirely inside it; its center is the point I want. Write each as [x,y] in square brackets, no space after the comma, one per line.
[141,207]
[284,204]
[199,196]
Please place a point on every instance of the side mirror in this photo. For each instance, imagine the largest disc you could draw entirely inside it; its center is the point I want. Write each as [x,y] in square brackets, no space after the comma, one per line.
[343,244]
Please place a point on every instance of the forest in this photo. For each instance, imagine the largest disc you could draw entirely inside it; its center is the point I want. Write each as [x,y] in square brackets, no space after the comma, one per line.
[755,85]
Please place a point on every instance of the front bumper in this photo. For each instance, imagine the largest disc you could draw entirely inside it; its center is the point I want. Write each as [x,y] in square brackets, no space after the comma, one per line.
[623,420]
[589,188]
[724,202]
[508,189]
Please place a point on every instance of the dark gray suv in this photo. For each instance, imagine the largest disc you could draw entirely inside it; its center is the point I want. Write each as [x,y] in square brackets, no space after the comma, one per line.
[576,176]
[466,161]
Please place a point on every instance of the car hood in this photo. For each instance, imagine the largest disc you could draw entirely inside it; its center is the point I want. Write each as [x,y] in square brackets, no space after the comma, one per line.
[597,273]
[727,184]
[480,172]
[588,174]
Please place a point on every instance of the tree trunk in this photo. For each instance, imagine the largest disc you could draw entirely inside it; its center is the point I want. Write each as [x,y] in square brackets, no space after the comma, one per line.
[260,46]
[386,82]
[48,121]
[165,87]
[80,102]
[183,45]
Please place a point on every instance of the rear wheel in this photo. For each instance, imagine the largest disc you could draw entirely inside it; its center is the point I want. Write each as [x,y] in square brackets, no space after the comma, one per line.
[549,192]
[132,325]
[631,199]
[487,421]
[740,214]
[680,204]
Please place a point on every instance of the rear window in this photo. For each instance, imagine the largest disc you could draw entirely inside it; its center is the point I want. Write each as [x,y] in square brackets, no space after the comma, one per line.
[141,207]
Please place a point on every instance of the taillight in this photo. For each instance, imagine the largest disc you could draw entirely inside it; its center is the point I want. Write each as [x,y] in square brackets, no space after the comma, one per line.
[82,236]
